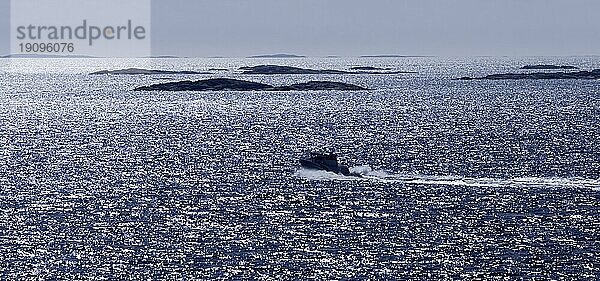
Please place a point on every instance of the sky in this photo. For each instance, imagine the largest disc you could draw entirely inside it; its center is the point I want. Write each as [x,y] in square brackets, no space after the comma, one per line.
[238,28]
[4,26]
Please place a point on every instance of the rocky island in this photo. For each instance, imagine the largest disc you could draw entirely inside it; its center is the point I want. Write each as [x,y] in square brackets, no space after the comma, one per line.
[224,84]
[581,75]
[320,86]
[377,70]
[277,69]
[547,66]
[369,68]
[140,71]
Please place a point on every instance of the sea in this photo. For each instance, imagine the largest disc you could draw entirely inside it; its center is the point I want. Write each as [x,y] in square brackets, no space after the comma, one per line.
[461,180]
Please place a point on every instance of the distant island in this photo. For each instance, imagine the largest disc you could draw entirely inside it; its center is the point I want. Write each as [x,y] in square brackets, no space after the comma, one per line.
[254,70]
[277,69]
[368,68]
[277,56]
[580,75]
[224,84]
[140,71]
[548,66]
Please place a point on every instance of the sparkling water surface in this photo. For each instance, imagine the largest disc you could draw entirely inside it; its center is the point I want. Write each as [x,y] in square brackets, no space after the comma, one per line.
[462,179]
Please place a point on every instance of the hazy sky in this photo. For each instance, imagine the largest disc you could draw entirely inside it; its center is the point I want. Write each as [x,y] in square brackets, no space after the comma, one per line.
[355,27]
[4,26]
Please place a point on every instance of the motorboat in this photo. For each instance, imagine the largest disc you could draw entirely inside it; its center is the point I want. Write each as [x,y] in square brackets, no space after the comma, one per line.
[325,162]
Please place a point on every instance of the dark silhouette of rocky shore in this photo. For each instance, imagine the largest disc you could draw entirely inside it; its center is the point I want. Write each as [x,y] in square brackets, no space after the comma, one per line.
[548,66]
[277,69]
[579,75]
[225,84]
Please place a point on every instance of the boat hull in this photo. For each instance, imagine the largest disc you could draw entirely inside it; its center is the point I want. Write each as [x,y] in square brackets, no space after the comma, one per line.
[343,170]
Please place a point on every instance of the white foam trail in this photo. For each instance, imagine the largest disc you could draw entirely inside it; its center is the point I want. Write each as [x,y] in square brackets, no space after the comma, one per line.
[571,182]
[368,173]
[491,182]
[361,170]
[458,181]
[322,175]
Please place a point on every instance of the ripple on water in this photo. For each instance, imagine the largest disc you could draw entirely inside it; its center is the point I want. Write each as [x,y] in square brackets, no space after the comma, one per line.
[461,180]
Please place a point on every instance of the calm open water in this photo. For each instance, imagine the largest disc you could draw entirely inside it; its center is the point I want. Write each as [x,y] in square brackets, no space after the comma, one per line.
[463,179]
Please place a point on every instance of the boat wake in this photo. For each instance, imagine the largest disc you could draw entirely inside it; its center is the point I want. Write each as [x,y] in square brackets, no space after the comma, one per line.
[365,173]
[323,175]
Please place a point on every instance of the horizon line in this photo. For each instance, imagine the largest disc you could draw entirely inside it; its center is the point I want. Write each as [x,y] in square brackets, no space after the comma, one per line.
[8,56]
